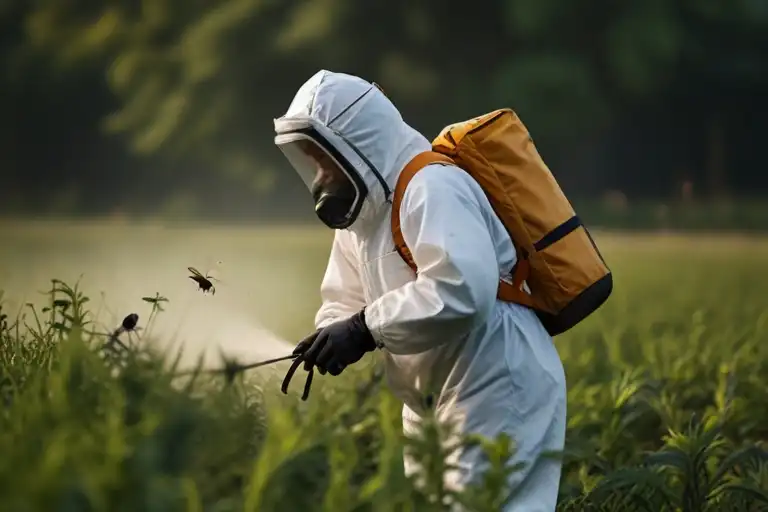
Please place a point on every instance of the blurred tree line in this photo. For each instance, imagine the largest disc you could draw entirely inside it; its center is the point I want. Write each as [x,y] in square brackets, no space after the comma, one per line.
[123,106]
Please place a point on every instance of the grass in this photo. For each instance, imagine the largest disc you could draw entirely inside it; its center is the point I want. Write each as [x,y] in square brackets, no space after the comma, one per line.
[666,383]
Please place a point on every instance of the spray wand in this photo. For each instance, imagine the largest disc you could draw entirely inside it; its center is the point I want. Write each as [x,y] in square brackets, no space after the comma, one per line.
[231,368]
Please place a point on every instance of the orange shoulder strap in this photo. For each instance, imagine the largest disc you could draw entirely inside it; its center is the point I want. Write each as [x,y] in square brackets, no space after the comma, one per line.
[416,164]
[507,292]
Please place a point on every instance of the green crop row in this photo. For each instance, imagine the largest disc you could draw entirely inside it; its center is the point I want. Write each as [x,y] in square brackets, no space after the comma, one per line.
[668,410]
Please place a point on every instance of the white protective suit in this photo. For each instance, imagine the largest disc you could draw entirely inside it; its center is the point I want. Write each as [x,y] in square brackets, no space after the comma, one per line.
[487,364]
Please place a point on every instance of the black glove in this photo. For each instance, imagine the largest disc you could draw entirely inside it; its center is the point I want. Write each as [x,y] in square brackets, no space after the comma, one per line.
[339,344]
[304,344]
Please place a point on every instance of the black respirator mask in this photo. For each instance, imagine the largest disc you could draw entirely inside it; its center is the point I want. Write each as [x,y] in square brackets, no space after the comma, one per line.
[337,189]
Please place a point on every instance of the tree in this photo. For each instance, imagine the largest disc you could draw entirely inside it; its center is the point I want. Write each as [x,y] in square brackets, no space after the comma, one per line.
[597,82]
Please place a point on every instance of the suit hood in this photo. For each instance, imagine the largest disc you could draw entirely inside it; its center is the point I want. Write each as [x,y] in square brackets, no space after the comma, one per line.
[362,124]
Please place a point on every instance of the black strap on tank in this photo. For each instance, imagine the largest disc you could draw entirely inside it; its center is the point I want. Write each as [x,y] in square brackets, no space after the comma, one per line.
[558,233]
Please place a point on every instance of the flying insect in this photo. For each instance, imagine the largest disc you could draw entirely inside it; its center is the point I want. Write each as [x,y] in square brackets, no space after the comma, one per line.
[203,281]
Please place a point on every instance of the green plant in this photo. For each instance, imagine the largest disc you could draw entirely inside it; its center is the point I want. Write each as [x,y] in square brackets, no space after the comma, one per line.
[666,413]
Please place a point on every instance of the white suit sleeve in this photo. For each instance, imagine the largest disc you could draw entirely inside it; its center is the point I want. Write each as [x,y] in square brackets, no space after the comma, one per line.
[444,226]
[341,289]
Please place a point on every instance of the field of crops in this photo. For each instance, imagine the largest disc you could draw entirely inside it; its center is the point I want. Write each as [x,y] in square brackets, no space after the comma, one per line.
[668,405]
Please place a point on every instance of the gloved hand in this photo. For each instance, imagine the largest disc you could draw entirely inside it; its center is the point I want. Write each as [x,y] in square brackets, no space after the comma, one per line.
[339,344]
[304,344]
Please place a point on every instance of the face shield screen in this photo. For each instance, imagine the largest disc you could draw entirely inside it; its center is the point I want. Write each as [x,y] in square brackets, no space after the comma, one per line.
[337,194]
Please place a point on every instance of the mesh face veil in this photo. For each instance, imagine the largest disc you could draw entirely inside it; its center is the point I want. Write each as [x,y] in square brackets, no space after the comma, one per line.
[337,189]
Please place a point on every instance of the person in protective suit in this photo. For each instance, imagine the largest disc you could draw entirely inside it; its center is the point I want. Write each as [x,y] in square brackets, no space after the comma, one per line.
[487,365]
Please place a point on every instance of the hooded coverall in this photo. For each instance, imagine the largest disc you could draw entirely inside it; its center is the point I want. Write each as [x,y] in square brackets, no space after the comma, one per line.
[486,364]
